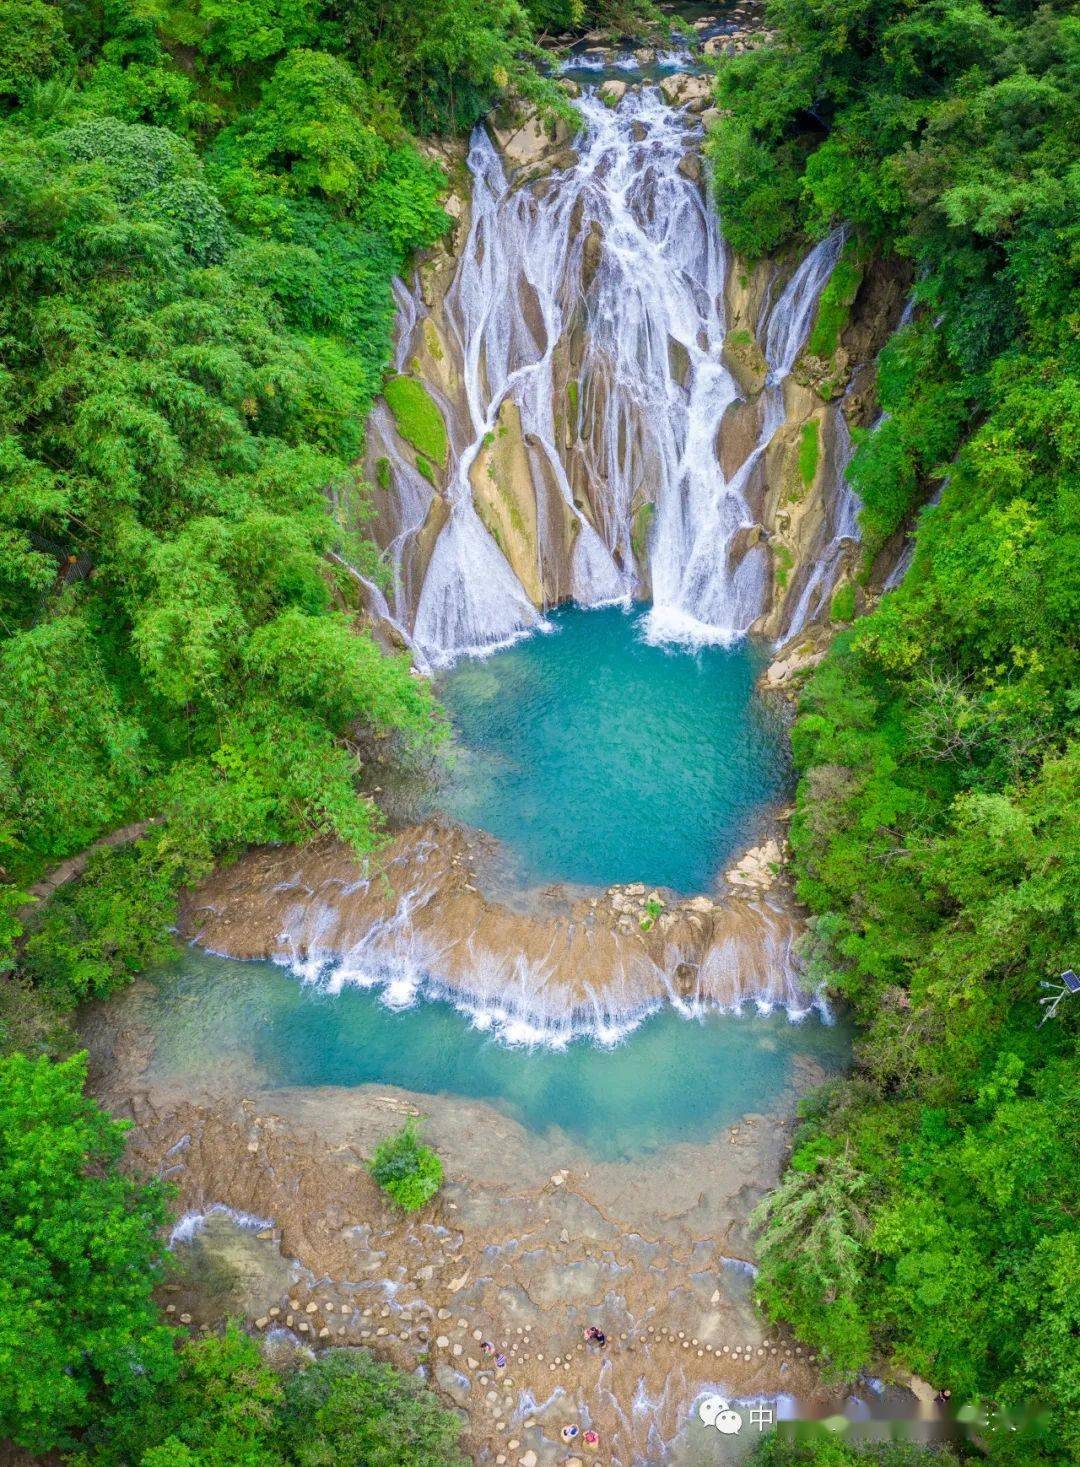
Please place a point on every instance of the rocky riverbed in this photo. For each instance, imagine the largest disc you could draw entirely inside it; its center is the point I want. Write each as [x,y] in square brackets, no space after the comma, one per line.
[530,1241]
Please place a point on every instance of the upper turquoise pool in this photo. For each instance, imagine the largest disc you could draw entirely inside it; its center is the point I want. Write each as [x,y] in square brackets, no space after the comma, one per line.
[600,758]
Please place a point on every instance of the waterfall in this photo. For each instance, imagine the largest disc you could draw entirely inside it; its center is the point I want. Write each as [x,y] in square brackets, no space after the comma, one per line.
[605,278]
[789,323]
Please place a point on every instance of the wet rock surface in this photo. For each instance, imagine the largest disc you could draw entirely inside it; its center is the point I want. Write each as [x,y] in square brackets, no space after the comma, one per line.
[559,953]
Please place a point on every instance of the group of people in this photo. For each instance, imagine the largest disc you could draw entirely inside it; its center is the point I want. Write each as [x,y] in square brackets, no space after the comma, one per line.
[591,1439]
[592,1335]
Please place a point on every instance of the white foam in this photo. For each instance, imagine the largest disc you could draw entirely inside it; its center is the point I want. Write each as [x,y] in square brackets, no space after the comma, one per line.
[187,1228]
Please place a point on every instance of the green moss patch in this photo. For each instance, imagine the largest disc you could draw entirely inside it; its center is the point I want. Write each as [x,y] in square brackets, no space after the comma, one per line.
[843,603]
[809,451]
[417,417]
[382,474]
[639,529]
[834,307]
[783,560]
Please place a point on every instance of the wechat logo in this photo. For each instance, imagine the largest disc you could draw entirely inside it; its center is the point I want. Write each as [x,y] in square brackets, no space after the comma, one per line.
[715,1411]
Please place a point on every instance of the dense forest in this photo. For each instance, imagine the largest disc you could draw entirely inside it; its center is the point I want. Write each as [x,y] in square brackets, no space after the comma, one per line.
[202,206]
[931,1211]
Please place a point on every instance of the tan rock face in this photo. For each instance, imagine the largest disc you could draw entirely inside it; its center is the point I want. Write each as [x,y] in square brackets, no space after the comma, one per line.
[745,360]
[505,498]
[738,434]
[514,485]
[524,139]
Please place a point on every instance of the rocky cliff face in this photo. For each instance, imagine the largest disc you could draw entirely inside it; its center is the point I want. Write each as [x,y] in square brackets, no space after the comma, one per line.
[598,475]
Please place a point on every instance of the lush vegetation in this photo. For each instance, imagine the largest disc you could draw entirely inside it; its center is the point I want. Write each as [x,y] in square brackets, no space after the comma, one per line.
[194,316]
[202,206]
[407,1170]
[224,1407]
[79,1257]
[931,1211]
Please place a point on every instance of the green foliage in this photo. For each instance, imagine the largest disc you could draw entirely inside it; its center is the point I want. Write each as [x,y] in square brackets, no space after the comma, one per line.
[809,451]
[33,45]
[835,302]
[223,1405]
[936,835]
[813,1230]
[349,1410]
[816,1447]
[187,357]
[445,63]
[843,603]
[408,1171]
[99,932]
[79,1255]
[417,417]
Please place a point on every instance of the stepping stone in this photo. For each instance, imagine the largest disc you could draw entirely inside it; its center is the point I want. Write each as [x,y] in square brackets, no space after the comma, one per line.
[442,1342]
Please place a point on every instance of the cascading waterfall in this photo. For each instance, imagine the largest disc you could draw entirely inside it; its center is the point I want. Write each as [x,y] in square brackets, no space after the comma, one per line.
[616,264]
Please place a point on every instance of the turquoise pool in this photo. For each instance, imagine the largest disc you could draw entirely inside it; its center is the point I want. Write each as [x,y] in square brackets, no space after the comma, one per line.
[599,758]
[673,1079]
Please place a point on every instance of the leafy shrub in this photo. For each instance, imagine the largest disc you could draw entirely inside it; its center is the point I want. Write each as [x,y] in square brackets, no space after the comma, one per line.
[408,1171]
[349,1410]
[843,603]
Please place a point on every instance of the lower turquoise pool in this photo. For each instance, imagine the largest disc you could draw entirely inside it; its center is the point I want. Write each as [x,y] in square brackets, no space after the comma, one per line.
[673,1079]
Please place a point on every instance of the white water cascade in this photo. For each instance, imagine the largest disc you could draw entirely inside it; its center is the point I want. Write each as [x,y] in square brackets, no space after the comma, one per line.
[615,266]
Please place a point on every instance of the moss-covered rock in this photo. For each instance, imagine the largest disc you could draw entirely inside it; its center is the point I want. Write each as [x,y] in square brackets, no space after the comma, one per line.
[417,418]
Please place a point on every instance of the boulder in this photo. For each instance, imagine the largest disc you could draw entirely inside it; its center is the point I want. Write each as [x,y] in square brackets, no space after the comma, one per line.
[523,139]
[690,167]
[738,433]
[612,92]
[592,250]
